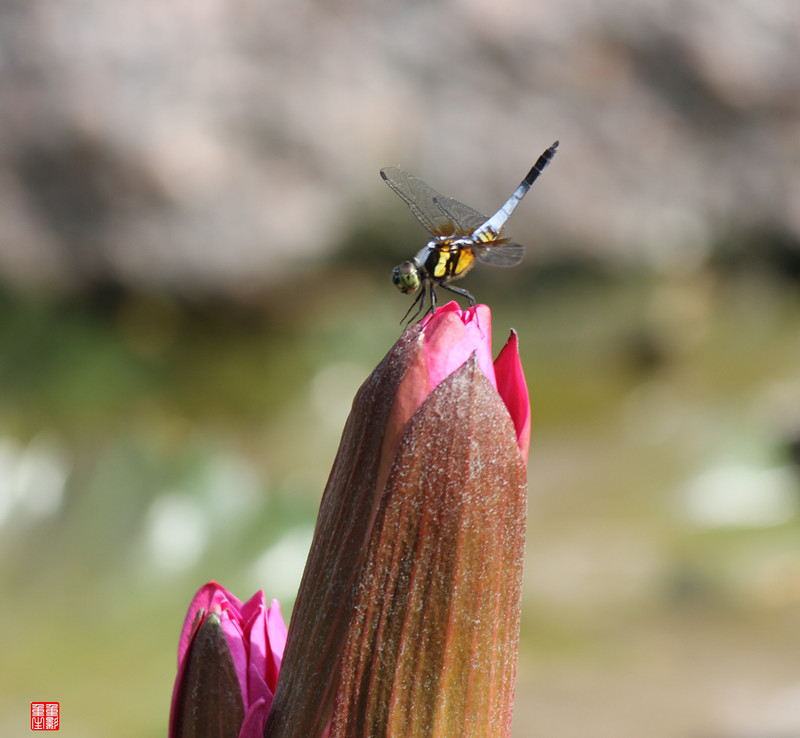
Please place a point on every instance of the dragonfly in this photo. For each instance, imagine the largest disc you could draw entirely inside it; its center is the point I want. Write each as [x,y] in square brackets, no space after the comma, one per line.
[461,236]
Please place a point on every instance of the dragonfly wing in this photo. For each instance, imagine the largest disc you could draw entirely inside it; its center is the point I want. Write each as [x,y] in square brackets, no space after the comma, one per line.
[422,200]
[502,254]
[465,218]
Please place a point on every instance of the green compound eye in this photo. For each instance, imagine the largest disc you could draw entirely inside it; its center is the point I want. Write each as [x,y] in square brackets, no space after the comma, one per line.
[406,277]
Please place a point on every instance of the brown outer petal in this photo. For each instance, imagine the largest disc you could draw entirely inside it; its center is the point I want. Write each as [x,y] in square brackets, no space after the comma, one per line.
[210,701]
[433,645]
[310,668]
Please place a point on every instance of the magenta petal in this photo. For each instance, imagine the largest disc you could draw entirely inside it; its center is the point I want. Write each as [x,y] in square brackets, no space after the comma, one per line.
[439,344]
[276,629]
[260,690]
[514,390]
[207,597]
[210,597]
[244,632]
[255,605]
[452,335]
[256,635]
[276,636]
[255,719]
[234,635]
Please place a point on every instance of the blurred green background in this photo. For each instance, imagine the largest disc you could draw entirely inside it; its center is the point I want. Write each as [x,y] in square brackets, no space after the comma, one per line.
[195,252]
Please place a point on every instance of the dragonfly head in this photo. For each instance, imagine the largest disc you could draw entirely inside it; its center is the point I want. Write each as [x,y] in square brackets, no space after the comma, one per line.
[406,277]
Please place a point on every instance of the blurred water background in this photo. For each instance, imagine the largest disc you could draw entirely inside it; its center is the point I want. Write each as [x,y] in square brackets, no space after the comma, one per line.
[195,252]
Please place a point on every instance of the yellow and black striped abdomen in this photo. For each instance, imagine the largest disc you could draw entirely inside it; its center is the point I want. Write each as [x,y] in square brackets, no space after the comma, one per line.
[449,261]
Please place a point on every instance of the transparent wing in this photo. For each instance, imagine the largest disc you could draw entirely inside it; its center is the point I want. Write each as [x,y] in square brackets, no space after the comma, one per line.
[505,254]
[462,215]
[421,198]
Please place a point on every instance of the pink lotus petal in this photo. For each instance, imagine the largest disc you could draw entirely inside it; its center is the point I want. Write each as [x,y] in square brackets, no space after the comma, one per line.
[514,390]
[254,720]
[250,630]
[452,335]
[444,342]
[255,633]
[276,634]
[234,635]
[207,597]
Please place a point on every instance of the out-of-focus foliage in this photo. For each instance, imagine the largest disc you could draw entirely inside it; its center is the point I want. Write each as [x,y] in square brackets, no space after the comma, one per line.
[663,479]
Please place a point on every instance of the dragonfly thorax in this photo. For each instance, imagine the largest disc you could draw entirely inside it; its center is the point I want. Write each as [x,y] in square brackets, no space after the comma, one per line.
[428,252]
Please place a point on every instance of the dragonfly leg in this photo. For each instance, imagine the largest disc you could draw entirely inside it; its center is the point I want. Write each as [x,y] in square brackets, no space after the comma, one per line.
[420,300]
[462,292]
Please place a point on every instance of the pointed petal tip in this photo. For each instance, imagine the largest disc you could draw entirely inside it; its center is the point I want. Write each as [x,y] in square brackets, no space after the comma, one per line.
[514,390]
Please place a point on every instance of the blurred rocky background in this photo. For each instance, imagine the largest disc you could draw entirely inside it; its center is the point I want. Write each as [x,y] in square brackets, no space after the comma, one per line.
[214,147]
[195,250]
